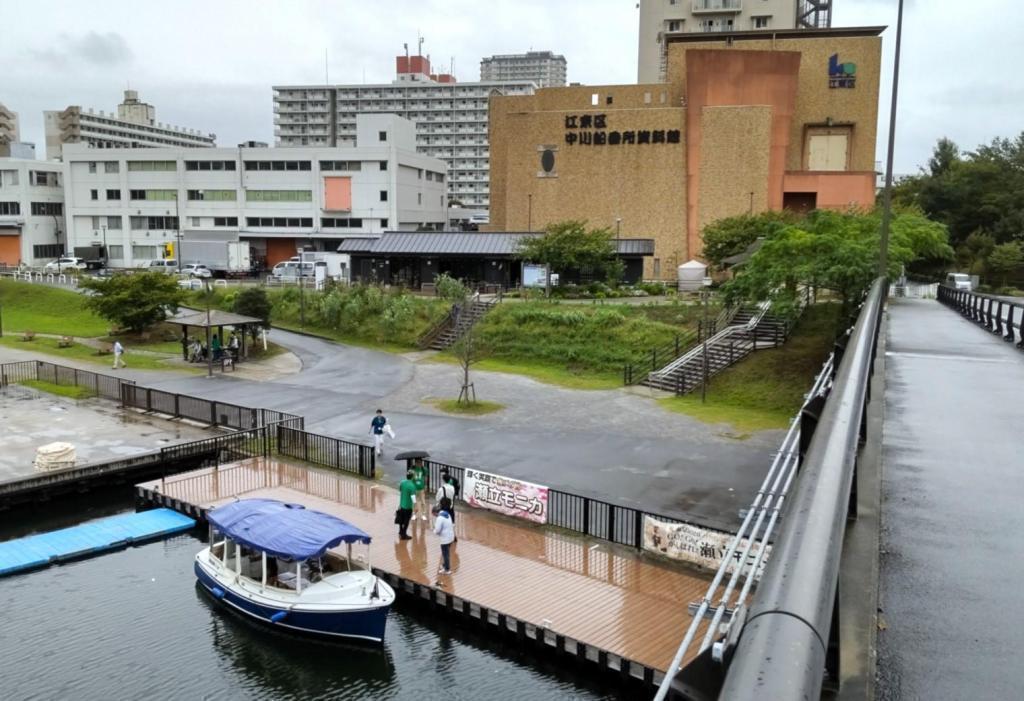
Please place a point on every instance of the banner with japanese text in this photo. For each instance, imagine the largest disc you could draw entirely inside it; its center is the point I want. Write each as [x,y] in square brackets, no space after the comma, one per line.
[698,546]
[505,495]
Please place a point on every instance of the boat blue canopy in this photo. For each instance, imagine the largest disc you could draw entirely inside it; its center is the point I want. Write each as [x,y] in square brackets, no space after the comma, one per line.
[284,530]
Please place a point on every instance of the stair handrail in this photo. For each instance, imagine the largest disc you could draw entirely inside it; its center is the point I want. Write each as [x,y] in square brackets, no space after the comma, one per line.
[431,334]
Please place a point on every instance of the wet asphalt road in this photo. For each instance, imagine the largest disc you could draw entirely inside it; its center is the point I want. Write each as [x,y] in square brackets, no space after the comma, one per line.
[952,559]
[607,444]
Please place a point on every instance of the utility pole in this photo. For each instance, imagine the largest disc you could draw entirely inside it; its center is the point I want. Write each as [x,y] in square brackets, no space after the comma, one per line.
[106,255]
[177,223]
[705,293]
[883,255]
[209,347]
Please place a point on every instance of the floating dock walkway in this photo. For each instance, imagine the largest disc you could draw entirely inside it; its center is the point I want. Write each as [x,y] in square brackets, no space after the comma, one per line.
[87,539]
[570,596]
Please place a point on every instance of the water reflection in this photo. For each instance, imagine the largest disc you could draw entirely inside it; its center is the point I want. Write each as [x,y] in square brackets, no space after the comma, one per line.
[291,666]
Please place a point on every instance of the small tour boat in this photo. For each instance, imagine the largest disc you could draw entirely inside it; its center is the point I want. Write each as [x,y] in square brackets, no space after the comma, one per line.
[269,560]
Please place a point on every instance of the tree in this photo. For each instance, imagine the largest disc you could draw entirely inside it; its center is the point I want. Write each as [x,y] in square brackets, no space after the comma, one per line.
[134,302]
[1005,259]
[454,291]
[944,155]
[253,301]
[837,251]
[570,246]
[732,235]
[981,191]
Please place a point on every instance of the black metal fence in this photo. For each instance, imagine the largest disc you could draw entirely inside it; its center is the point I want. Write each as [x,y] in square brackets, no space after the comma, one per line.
[326,450]
[226,448]
[574,512]
[107,386]
[207,411]
[995,314]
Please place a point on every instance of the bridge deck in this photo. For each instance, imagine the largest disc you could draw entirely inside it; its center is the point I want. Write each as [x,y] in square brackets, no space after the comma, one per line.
[604,596]
[952,509]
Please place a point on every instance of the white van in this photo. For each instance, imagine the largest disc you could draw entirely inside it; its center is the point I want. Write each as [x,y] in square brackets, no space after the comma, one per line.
[959,281]
[290,269]
[164,265]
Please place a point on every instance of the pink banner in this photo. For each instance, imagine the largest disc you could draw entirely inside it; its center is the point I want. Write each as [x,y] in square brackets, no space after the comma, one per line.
[505,495]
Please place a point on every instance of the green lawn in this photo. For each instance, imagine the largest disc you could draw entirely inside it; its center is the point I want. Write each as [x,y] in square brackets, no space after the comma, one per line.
[70,391]
[35,307]
[477,408]
[77,351]
[766,389]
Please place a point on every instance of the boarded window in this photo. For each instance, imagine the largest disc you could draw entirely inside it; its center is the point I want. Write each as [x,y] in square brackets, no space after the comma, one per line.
[827,151]
[338,194]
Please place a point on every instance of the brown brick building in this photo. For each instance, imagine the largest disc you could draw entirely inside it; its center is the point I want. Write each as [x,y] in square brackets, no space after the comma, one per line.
[747,121]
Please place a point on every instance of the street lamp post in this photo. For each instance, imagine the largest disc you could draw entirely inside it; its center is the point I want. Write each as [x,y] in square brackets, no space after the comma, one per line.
[209,347]
[618,226]
[177,226]
[705,293]
[529,212]
[883,256]
[106,254]
[56,234]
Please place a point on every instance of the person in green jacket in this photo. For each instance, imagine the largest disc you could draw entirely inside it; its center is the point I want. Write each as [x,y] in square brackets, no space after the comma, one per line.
[419,478]
[406,499]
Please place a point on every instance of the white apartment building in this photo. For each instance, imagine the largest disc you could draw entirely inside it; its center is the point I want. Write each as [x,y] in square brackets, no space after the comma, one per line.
[659,18]
[134,126]
[544,68]
[135,201]
[450,118]
[31,211]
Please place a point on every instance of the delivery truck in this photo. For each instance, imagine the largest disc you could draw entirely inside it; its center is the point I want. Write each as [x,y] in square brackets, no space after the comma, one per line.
[223,258]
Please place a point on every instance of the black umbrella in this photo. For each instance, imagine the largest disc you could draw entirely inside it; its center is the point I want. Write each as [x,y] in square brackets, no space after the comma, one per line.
[412,455]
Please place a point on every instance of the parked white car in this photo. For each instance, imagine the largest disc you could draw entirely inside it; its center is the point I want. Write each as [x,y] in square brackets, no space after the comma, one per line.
[196,270]
[190,283]
[165,265]
[69,262]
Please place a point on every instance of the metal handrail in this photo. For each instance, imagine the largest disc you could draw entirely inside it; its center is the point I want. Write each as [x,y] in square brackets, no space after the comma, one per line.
[793,608]
[727,332]
[782,471]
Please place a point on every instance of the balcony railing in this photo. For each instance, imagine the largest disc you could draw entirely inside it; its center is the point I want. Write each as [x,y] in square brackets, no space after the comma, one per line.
[700,6]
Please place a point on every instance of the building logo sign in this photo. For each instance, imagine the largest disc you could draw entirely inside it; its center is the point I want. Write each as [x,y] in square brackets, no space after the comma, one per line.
[592,130]
[841,75]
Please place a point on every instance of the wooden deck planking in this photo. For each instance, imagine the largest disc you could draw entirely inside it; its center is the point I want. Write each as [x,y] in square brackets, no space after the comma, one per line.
[607,596]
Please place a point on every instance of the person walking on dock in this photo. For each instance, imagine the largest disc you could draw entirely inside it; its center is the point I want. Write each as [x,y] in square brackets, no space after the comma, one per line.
[445,530]
[445,496]
[377,428]
[406,498]
[419,478]
[119,355]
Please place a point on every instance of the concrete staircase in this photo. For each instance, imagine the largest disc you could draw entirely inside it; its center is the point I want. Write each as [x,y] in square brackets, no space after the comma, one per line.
[752,328]
[454,326]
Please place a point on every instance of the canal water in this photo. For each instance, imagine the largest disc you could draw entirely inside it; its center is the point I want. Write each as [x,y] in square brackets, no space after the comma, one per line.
[133,625]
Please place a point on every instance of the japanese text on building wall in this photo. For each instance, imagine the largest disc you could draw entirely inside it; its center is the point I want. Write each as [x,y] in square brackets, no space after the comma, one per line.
[592,130]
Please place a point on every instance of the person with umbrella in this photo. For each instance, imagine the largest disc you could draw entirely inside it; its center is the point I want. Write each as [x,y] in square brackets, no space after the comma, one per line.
[414,460]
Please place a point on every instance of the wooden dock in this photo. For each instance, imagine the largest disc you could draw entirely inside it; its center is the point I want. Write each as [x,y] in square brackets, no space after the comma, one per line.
[577,596]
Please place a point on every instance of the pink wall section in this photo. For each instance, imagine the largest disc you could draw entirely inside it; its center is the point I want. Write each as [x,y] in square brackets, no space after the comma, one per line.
[835,190]
[338,194]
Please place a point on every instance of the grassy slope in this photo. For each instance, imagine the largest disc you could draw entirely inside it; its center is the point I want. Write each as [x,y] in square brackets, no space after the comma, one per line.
[70,391]
[767,388]
[579,346]
[35,307]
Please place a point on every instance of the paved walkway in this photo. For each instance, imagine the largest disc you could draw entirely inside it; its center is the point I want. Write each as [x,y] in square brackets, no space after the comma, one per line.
[952,514]
[613,444]
[588,590]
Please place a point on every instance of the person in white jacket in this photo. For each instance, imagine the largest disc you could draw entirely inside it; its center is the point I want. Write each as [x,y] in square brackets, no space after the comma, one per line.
[445,530]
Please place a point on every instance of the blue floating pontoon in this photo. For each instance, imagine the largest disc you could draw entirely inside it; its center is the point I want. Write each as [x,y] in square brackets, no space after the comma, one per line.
[89,539]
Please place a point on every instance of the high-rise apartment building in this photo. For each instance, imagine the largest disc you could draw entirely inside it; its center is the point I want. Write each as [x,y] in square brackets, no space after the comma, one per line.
[660,19]
[542,67]
[8,125]
[134,126]
[450,118]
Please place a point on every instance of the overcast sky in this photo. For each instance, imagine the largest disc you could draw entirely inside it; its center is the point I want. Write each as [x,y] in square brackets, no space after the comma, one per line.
[210,65]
